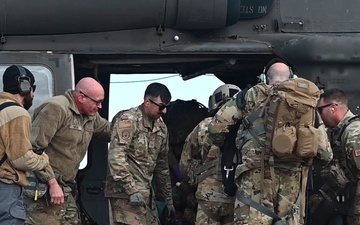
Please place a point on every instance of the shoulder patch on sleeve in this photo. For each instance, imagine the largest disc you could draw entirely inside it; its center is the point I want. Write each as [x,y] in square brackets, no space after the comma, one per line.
[124,123]
[125,135]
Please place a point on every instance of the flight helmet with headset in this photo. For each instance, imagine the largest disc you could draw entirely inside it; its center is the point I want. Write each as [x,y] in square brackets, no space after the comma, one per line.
[221,95]
[24,82]
[263,77]
[18,80]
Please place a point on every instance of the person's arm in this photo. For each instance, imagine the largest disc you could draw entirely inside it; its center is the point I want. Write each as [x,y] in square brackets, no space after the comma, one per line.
[162,173]
[18,138]
[324,153]
[228,115]
[47,120]
[191,144]
[122,135]
[352,145]
[102,130]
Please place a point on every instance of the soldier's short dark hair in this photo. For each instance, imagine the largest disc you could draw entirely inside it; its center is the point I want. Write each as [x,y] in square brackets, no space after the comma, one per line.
[155,90]
[335,95]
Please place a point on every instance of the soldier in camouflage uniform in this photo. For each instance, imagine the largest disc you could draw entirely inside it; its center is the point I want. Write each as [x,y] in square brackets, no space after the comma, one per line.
[64,125]
[215,207]
[345,140]
[282,185]
[138,153]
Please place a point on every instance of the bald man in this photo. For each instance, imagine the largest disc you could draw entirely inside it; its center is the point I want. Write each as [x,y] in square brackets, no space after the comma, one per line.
[276,188]
[64,126]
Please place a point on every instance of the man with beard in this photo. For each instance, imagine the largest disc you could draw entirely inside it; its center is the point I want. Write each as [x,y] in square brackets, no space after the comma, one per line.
[16,154]
[64,126]
[138,154]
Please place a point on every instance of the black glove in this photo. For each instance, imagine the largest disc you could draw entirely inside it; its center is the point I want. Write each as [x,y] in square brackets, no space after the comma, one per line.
[137,200]
[315,201]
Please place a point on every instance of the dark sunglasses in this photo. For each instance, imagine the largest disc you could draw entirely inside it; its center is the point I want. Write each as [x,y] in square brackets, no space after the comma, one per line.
[161,107]
[33,87]
[320,108]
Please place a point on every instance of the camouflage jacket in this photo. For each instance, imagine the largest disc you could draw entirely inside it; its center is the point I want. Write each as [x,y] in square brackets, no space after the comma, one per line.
[138,153]
[15,125]
[350,145]
[196,148]
[65,133]
[350,141]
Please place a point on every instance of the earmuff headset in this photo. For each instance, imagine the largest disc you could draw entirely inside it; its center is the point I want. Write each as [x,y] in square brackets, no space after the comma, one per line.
[24,82]
[263,77]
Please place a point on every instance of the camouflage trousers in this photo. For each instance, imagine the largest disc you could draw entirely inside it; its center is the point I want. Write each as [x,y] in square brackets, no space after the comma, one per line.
[280,194]
[209,213]
[42,212]
[123,213]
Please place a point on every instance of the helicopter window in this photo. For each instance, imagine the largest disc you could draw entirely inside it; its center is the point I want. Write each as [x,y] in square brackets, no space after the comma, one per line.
[44,81]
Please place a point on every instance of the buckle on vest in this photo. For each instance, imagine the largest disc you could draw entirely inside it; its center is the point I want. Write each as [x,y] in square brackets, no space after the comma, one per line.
[228,170]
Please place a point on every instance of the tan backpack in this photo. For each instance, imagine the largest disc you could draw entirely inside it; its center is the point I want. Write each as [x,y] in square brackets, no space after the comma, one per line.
[290,118]
[286,112]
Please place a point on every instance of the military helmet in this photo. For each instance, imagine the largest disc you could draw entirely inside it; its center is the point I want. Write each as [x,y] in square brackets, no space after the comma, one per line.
[221,95]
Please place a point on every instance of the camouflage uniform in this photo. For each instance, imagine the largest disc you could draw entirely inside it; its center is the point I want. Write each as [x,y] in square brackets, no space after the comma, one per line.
[281,186]
[65,134]
[138,153]
[350,143]
[209,194]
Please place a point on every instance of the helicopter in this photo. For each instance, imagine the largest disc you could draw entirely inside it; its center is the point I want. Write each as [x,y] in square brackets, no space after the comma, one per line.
[64,41]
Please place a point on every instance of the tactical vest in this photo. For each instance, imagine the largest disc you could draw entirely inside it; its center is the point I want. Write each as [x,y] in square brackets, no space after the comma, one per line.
[224,167]
[339,151]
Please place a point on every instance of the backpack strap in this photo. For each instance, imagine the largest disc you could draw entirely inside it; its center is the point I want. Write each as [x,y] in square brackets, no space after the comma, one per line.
[3,159]
[228,152]
[257,206]
[3,106]
[207,169]
[240,98]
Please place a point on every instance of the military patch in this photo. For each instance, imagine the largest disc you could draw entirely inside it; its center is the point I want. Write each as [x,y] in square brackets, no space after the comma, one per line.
[357,153]
[75,125]
[125,135]
[124,123]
